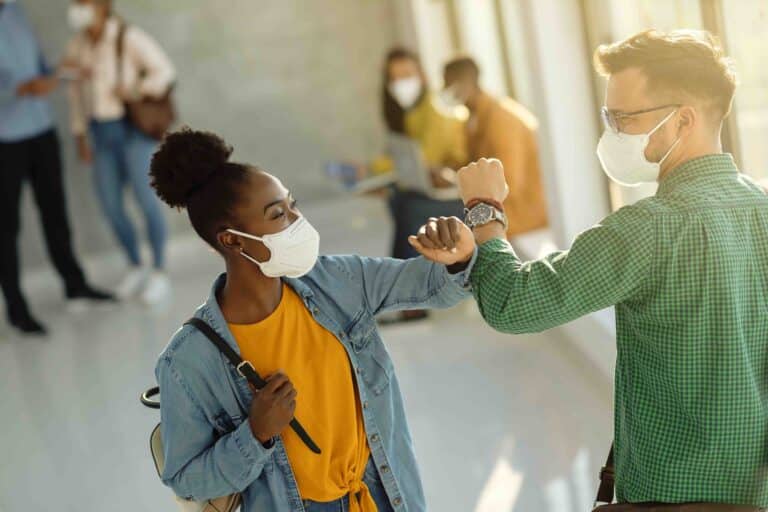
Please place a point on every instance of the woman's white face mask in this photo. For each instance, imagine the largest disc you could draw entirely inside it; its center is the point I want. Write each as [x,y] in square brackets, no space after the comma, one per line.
[294,251]
[622,156]
[80,16]
[406,91]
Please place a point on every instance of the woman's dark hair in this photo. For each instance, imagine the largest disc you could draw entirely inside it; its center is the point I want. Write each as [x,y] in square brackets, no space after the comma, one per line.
[191,169]
[394,115]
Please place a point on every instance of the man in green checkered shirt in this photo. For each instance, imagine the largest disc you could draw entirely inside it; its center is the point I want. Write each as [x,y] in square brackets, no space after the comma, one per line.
[687,272]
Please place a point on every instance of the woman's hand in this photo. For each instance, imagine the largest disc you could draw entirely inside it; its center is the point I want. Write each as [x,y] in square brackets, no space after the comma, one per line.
[443,177]
[446,240]
[84,152]
[272,408]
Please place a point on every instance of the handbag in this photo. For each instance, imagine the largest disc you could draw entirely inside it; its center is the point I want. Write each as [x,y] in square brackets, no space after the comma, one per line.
[231,502]
[152,116]
[604,500]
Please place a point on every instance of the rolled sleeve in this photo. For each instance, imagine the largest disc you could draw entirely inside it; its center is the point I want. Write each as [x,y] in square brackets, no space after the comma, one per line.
[252,450]
[198,464]
[463,278]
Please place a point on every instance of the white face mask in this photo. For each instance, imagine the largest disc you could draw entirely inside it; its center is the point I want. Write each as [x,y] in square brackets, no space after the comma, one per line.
[80,16]
[294,250]
[450,98]
[406,91]
[623,159]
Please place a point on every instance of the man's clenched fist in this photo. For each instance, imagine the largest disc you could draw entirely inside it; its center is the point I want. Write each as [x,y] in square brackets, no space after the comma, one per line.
[483,179]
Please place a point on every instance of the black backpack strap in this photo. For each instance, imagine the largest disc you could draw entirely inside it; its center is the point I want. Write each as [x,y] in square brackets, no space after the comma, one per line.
[607,476]
[246,369]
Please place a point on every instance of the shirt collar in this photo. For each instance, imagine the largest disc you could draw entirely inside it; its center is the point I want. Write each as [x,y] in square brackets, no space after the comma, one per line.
[696,169]
[211,312]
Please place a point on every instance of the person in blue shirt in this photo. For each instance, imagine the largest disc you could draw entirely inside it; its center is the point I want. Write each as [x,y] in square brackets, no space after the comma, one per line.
[29,151]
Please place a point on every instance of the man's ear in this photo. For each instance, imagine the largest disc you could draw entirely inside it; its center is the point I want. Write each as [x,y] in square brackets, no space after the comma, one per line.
[687,118]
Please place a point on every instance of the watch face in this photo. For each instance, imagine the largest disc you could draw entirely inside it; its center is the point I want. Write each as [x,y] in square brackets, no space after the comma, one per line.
[480,214]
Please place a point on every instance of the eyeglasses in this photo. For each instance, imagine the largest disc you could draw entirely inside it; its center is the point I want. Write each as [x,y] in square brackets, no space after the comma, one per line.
[612,120]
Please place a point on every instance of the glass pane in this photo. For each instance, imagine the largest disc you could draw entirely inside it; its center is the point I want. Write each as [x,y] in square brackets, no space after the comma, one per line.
[660,14]
[435,42]
[480,39]
[515,33]
[746,37]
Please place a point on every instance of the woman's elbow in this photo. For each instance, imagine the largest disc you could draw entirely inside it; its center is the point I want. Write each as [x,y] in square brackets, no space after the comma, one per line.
[175,484]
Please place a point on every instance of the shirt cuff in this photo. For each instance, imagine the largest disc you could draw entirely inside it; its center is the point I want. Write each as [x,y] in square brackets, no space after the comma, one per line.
[462,277]
[251,448]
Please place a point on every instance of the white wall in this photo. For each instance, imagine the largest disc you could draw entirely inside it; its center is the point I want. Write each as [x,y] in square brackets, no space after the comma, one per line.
[479,34]
[290,83]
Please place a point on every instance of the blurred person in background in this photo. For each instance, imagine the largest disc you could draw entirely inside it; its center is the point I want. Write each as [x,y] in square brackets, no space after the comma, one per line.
[686,270]
[504,129]
[29,151]
[119,152]
[411,109]
[306,323]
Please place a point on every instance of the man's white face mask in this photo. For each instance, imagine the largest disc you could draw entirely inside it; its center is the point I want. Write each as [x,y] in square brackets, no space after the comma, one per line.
[622,155]
[451,97]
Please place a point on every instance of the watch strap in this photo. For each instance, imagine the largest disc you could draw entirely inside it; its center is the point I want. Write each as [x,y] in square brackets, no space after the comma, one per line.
[491,202]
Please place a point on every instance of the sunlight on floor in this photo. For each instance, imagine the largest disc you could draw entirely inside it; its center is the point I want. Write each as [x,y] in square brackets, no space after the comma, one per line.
[501,490]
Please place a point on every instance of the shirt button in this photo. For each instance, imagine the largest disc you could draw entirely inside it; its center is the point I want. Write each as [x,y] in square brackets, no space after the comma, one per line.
[375,438]
[359,371]
[397,502]
[365,404]
[385,469]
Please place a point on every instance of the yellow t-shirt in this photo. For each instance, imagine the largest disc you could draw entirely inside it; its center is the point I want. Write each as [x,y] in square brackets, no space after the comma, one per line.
[327,404]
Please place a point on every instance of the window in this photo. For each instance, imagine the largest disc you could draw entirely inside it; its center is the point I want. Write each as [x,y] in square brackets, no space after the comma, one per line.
[745,25]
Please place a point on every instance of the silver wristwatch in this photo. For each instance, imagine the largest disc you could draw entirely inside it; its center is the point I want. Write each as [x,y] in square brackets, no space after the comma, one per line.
[482,214]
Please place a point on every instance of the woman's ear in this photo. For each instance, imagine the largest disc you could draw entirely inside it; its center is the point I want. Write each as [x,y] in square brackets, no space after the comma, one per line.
[229,241]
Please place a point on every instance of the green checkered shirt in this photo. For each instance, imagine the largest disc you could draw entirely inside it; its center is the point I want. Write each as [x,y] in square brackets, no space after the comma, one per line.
[687,271]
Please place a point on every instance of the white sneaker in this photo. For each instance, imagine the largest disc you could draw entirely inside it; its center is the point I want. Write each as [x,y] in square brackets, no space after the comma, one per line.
[157,289]
[132,283]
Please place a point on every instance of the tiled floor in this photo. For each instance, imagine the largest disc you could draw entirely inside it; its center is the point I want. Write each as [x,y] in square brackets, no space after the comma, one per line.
[501,423]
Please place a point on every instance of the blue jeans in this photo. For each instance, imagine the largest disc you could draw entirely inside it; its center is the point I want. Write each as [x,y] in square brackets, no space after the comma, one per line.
[121,156]
[375,487]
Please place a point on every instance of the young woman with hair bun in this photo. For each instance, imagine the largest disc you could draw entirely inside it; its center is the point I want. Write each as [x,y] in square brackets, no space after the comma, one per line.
[306,324]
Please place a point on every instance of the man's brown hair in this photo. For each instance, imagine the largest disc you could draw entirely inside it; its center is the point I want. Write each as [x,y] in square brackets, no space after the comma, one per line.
[680,64]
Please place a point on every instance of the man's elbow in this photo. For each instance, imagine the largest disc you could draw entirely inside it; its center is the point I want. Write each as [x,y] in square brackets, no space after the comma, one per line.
[504,321]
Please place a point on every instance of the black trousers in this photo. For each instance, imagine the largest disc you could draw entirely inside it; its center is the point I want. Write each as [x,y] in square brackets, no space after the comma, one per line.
[38,161]
[410,210]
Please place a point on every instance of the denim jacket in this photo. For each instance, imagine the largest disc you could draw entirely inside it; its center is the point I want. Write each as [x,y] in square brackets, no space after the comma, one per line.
[208,445]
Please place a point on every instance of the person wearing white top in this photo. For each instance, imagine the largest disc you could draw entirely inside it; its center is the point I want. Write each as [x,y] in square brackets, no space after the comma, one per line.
[118,151]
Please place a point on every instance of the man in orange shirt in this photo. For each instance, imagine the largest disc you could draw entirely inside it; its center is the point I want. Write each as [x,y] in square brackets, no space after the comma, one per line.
[501,128]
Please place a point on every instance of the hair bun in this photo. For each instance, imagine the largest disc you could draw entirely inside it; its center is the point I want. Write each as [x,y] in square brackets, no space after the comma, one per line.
[184,162]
